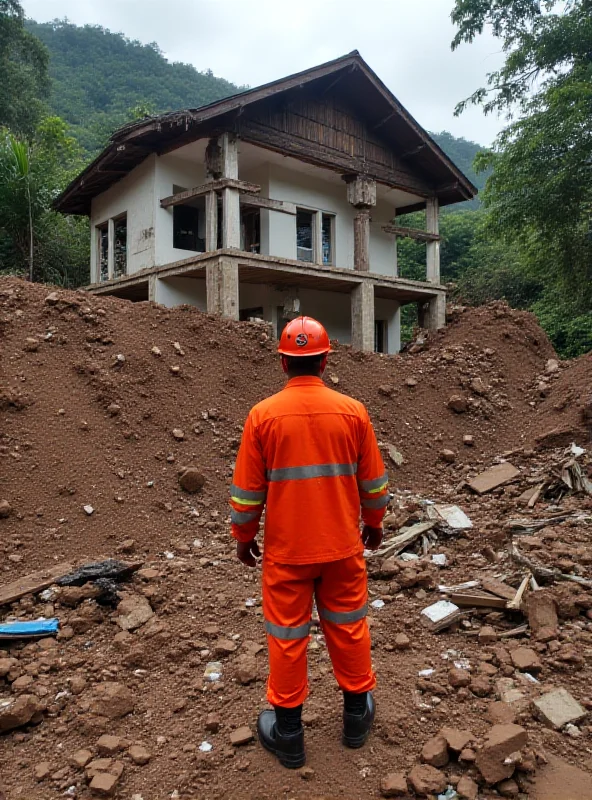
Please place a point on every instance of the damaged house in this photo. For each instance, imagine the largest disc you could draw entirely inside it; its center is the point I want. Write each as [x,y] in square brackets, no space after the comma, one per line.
[276,201]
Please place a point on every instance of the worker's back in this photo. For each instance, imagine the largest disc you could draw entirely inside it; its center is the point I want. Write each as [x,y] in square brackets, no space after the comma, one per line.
[315,455]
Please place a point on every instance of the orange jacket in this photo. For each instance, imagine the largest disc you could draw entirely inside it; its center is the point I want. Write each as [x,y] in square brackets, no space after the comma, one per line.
[310,455]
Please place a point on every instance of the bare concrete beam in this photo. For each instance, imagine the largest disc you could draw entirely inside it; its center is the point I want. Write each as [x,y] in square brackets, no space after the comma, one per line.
[222,288]
[212,186]
[362,240]
[433,247]
[362,317]
[211,221]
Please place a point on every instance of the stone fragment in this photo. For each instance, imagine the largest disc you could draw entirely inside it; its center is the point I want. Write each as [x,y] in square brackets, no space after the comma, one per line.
[458,404]
[112,700]
[385,390]
[402,641]
[467,756]
[558,708]
[133,611]
[241,736]
[310,718]
[81,758]
[468,440]
[14,713]
[458,678]
[246,669]
[487,635]
[224,647]
[139,755]
[449,456]
[494,477]
[73,595]
[502,741]
[526,659]
[541,611]
[178,434]
[191,479]
[508,788]
[478,386]
[108,745]
[426,781]
[394,785]
[306,773]
[52,299]
[103,784]
[456,739]
[388,569]
[552,366]
[213,722]
[480,686]
[31,345]
[467,789]
[435,752]
[501,713]
[5,509]
[41,770]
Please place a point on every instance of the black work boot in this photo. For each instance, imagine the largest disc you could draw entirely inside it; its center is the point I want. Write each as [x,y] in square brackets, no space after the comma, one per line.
[281,732]
[358,716]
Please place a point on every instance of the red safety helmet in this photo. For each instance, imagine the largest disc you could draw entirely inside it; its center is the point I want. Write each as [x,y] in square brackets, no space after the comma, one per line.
[304,336]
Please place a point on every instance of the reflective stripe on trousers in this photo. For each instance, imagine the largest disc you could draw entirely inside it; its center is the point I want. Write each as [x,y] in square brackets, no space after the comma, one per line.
[301,631]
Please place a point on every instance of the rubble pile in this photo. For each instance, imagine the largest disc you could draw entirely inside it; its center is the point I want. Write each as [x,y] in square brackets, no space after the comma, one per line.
[120,425]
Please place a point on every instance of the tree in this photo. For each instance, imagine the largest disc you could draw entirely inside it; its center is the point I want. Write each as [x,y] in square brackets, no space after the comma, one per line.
[539,194]
[33,238]
[24,70]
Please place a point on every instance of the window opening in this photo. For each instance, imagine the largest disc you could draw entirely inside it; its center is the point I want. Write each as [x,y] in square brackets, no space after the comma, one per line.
[103,244]
[120,247]
[328,222]
[305,236]
[380,336]
[189,224]
[246,314]
[251,230]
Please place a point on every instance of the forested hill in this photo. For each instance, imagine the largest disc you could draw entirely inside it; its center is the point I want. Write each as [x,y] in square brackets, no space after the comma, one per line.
[97,76]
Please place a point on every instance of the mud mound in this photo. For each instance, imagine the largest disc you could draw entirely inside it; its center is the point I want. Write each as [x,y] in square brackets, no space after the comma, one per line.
[108,408]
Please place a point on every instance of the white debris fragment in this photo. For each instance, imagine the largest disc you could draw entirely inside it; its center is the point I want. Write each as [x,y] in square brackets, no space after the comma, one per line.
[205,747]
[426,673]
[213,671]
[576,450]
[47,595]
[440,559]
[250,602]
[439,611]
[377,603]
[88,510]
[409,557]
[453,516]
[168,555]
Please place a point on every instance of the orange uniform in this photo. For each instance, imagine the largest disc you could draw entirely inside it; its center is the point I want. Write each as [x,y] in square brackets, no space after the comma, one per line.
[309,455]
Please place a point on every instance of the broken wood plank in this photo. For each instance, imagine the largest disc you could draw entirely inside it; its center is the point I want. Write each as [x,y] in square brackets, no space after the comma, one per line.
[498,588]
[212,186]
[33,583]
[404,539]
[477,599]
[519,631]
[494,477]
[537,493]
[459,587]
[411,233]
[516,603]
[545,573]
[253,200]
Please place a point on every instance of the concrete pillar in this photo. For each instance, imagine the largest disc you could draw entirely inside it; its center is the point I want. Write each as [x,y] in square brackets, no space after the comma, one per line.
[211,222]
[432,313]
[152,288]
[222,288]
[362,317]
[433,248]
[362,240]
[110,249]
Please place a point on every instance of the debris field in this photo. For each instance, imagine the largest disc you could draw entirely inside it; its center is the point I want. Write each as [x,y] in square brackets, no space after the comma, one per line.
[132,649]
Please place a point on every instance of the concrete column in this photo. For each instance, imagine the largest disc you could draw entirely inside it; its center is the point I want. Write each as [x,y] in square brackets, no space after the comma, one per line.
[432,314]
[229,164]
[433,248]
[362,240]
[152,288]
[222,288]
[110,249]
[231,219]
[362,317]
[211,222]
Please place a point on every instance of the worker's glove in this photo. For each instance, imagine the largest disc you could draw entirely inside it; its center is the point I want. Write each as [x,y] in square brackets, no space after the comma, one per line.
[371,537]
[248,552]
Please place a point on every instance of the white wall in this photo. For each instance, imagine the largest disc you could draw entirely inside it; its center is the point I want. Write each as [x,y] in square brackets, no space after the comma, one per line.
[171,292]
[134,196]
[390,311]
[172,171]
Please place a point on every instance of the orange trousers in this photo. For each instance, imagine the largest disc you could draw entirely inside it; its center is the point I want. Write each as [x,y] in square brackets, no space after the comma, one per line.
[341,593]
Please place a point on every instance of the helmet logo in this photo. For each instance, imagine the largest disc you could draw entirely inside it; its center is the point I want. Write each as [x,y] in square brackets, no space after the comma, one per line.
[301,340]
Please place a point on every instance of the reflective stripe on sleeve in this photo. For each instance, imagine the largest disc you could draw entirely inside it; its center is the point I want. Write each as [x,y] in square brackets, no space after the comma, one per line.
[344,617]
[281,632]
[242,517]
[376,485]
[246,497]
[311,471]
[376,502]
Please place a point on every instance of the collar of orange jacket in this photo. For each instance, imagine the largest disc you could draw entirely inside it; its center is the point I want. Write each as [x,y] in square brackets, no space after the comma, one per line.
[304,380]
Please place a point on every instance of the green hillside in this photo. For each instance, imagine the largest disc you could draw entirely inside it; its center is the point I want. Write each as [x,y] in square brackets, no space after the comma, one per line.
[97,76]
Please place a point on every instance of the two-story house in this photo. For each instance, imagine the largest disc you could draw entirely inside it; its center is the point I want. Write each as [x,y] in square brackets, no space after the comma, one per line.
[276,201]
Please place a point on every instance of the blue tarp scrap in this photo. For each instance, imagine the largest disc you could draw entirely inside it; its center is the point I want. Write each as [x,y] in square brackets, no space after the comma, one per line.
[29,630]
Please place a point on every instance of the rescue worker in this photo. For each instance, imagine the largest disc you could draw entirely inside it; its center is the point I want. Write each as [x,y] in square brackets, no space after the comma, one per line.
[309,455]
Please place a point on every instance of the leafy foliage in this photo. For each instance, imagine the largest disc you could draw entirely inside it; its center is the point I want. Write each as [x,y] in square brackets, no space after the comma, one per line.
[23,67]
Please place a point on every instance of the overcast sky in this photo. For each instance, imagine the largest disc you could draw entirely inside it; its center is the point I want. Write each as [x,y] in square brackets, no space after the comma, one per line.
[407,42]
